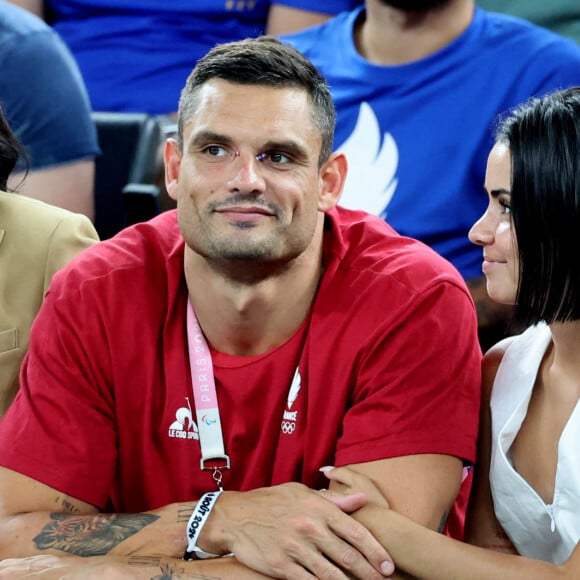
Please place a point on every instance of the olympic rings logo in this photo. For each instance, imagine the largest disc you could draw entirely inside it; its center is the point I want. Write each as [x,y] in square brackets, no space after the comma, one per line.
[288,427]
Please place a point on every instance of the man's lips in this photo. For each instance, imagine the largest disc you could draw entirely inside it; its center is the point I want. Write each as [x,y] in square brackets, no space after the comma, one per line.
[244,212]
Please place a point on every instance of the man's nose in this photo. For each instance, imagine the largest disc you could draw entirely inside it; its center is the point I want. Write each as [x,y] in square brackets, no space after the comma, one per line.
[246,174]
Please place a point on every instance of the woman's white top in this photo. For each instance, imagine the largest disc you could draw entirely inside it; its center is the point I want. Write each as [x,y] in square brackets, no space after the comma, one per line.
[537,530]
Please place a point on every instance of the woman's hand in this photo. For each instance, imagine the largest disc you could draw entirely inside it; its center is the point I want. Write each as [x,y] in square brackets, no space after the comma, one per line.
[346,483]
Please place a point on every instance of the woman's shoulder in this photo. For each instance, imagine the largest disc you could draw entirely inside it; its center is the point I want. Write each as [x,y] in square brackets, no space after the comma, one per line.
[492,361]
[494,356]
[525,352]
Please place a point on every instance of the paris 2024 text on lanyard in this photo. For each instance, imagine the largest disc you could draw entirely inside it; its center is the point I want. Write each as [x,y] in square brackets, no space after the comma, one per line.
[213,455]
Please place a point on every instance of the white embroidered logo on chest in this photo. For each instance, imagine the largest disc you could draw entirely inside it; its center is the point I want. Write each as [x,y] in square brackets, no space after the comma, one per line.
[288,425]
[184,426]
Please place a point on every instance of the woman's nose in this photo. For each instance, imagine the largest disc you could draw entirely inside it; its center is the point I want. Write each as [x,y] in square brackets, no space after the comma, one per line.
[481,233]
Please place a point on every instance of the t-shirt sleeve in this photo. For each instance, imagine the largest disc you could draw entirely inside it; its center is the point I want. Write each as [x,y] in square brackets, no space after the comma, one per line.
[64,387]
[45,100]
[418,384]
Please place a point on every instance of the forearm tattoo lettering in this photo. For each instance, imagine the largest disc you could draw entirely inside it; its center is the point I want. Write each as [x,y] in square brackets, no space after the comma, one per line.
[145,561]
[67,505]
[184,512]
[90,535]
[168,571]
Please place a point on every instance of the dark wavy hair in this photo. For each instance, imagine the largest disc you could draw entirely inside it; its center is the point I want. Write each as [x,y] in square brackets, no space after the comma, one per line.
[262,61]
[543,136]
[10,151]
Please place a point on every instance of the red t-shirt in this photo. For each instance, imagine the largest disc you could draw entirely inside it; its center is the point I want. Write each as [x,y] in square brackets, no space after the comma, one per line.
[388,364]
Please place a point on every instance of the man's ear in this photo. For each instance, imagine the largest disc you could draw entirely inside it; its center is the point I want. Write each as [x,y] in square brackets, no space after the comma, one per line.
[172,160]
[332,178]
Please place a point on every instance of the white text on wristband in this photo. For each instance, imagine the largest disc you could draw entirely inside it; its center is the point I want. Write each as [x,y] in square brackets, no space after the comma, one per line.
[195,525]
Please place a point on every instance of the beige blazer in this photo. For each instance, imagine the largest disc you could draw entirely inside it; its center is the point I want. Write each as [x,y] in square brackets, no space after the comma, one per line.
[36,240]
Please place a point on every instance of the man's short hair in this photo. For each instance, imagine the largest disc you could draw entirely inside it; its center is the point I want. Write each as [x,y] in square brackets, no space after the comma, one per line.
[262,61]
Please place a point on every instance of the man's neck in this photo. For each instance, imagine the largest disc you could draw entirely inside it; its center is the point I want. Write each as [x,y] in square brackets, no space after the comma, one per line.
[248,317]
[388,36]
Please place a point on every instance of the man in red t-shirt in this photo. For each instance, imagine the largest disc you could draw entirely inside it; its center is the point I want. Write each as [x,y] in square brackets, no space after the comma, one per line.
[244,341]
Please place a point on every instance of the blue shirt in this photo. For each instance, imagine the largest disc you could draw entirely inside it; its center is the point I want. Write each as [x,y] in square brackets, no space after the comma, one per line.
[417,136]
[42,92]
[135,55]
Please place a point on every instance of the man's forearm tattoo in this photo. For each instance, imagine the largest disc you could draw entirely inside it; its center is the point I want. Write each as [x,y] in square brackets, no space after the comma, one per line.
[90,535]
[442,522]
[171,573]
[67,505]
[168,571]
[184,512]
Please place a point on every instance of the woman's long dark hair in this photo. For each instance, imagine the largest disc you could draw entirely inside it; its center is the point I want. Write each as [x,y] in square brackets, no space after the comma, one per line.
[543,136]
[10,151]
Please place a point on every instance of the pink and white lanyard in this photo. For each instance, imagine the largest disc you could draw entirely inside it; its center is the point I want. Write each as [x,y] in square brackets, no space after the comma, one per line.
[211,440]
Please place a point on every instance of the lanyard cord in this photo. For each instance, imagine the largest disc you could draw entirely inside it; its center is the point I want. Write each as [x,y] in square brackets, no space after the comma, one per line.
[213,455]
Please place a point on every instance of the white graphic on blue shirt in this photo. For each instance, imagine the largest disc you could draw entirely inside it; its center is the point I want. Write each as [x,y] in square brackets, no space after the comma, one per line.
[373,159]
[184,426]
[288,425]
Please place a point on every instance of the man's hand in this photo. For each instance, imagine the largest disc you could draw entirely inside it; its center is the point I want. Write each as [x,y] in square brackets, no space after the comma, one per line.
[291,531]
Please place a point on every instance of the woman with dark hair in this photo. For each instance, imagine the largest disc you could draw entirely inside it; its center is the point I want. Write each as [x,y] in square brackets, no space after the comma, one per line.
[36,240]
[526,496]
[10,152]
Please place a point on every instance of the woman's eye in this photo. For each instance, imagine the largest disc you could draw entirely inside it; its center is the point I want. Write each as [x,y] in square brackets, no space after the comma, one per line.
[505,208]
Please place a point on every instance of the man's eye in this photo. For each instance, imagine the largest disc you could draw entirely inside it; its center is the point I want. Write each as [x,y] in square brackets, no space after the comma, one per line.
[216,151]
[273,157]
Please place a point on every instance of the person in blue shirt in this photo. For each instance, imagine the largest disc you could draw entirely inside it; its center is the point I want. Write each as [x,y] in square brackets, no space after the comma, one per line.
[134,55]
[45,101]
[418,85]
